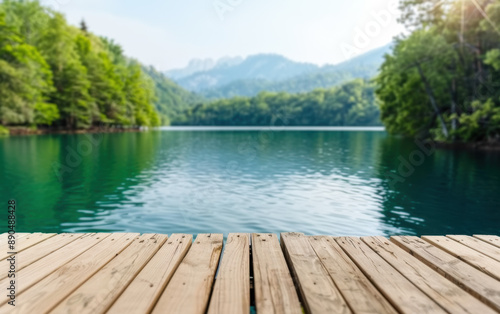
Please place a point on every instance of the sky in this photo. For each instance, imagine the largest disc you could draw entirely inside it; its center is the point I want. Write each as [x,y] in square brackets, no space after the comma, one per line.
[169,33]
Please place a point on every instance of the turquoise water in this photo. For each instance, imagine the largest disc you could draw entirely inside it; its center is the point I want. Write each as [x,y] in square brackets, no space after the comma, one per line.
[321,181]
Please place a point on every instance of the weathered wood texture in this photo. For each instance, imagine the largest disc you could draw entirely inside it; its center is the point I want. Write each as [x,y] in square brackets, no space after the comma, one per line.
[474,281]
[153,273]
[450,296]
[466,254]
[401,292]
[273,284]
[189,289]
[493,240]
[478,245]
[50,291]
[231,294]
[319,293]
[143,292]
[38,251]
[361,295]
[98,293]
[23,242]
[30,275]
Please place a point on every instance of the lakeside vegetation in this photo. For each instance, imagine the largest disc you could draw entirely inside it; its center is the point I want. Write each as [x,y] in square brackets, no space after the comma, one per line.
[55,74]
[441,81]
[58,76]
[352,104]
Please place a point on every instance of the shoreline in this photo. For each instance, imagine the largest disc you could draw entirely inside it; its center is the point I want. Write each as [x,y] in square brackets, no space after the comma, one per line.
[479,146]
[22,131]
[28,131]
[269,128]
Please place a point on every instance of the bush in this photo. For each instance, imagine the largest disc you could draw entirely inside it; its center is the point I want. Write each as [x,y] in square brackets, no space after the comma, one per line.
[4,130]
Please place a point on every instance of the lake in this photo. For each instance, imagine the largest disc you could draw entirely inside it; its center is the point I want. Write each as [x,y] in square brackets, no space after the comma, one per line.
[197,180]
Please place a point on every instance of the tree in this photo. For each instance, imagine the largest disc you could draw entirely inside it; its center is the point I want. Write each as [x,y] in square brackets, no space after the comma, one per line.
[83,27]
[71,95]
[25,81]
[352,104]
[419,66]
[451,58]
[106,86]
[140,96]
[56,74]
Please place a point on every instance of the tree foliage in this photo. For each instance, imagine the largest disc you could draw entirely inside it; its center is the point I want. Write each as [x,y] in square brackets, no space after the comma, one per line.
[25,81]
[352,104]
[441,80]
[171,99]
[53,73]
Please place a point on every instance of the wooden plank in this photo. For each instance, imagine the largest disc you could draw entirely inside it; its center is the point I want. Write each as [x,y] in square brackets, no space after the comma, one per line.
[47,293]
[24,243]
[98,293]
[402,294]
[319,293]
[35,272]
[231,292]
[143,292]
[19,235]
[472,257]
[38,251]
[478,245]
[189,289]
[273,284]
[5,236]
[481,285]
[493,240]
[358,291]
[443,291]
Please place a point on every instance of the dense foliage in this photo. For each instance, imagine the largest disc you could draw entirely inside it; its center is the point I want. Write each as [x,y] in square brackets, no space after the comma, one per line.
[352,104]
[171,99]
[54,74]
[300,84]
[441,80]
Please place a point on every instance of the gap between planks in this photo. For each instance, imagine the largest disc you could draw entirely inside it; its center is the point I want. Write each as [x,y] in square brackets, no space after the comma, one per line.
[310,260]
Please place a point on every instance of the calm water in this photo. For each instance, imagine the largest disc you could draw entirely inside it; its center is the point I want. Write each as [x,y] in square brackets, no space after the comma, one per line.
[317,182]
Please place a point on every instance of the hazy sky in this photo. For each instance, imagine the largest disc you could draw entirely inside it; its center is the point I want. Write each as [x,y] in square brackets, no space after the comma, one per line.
[169,33]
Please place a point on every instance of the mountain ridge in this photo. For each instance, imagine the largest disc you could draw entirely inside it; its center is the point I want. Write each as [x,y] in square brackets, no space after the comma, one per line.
[274,72]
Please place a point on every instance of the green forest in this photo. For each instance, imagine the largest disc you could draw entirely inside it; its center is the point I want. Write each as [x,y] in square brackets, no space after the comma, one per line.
[352,104]
[441,81]
[54,74]
[58,76]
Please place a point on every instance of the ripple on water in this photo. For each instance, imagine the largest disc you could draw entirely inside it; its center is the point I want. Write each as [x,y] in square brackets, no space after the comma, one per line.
[194,182]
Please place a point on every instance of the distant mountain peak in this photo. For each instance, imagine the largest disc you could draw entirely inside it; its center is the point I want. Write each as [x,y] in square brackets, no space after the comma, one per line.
[194,66]
[228,61]
[237,76]
[265,66]
[203,64]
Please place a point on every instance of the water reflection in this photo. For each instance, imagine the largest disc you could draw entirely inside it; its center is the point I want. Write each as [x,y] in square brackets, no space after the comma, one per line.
[317,182]
[453,191]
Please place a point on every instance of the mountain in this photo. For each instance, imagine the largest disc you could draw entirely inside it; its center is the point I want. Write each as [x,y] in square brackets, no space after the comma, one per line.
[194,66]
[202,65]
[271,72]
[257,67]
[171,99]
[371,59]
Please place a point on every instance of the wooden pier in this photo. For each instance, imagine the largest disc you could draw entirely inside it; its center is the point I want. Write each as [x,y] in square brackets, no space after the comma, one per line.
[156,273]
